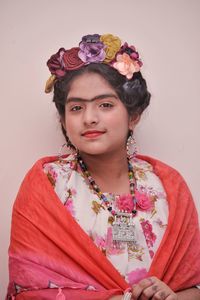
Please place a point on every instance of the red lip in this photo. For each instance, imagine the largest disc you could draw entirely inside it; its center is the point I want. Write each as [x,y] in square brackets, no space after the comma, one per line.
[92,133]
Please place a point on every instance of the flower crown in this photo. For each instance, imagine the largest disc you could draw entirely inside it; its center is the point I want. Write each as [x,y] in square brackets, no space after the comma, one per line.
[94,48]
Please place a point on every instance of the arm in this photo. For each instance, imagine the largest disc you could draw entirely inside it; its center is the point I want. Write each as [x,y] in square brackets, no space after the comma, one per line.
[192,293]
[153,288]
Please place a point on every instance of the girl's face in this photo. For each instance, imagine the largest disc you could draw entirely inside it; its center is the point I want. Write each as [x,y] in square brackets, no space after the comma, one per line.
[96,121]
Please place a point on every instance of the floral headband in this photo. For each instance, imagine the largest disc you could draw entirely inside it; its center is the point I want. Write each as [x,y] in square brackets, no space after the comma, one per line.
[94,48]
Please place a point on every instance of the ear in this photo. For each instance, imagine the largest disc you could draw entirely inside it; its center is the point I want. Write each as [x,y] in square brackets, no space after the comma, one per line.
[133,121]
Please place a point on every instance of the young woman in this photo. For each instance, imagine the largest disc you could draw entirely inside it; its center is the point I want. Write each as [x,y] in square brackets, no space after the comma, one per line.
[102,222]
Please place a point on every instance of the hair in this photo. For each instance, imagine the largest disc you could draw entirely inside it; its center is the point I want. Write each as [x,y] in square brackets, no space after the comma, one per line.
[133,93]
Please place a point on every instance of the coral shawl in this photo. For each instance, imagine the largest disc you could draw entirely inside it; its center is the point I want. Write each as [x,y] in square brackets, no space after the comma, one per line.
[49,249]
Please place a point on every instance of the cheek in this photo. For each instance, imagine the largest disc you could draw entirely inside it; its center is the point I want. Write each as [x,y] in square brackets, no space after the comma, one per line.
[72,129]
[68,122]
[121,121]
[69,127]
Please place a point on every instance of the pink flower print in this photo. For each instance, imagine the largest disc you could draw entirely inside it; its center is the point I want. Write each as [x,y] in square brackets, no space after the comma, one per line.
[143,201]
[125,203]
[100,242]
[73,192]
[70,206]
[109,237]
[148,233]
[160,223]
[73,165]
[112,247]
[52,176]
[137,275]
[151,253]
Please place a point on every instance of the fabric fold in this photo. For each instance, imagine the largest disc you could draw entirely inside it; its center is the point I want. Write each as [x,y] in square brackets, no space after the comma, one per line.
[49,249]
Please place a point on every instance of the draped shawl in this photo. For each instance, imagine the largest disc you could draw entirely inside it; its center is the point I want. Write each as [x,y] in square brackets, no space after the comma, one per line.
[49,250]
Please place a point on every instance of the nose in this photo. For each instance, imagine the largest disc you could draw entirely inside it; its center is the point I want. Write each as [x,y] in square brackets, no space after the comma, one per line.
[90,115]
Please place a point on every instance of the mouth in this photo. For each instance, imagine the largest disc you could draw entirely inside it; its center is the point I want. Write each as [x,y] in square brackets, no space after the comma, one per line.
[92,133]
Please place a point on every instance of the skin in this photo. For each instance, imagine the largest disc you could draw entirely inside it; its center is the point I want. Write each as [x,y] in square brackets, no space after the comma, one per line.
[97,123]
[154,289]
[93,105]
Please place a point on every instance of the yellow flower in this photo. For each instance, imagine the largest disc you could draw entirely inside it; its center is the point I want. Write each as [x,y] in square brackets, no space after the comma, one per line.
[113,44]
[50,84]
[96,207]
[111,219]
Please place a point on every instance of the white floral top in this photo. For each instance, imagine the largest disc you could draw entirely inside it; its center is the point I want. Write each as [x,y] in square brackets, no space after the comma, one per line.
[131,259]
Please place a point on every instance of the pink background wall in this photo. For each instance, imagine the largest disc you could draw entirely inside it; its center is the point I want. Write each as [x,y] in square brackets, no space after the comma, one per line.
[167,36]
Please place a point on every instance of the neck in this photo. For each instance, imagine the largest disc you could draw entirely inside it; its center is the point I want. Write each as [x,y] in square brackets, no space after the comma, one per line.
[106,165]
[110,173]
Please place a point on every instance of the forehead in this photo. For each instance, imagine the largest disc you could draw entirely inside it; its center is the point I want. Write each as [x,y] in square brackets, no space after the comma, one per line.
[88,85]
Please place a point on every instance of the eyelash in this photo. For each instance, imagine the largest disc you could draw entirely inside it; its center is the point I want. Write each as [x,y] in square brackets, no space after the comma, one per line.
[102,105]
[75,108]
[106,105]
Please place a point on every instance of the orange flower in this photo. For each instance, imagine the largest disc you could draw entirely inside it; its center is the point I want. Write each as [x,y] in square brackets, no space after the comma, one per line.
[113,44]
[126,66]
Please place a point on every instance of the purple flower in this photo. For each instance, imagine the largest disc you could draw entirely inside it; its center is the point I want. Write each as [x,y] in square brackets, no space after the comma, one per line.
[92,52]
[91,38]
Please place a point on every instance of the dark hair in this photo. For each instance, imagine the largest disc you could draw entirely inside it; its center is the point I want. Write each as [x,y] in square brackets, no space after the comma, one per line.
[133,92]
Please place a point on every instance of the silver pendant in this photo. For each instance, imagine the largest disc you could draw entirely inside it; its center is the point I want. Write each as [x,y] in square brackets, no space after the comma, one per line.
[123,229]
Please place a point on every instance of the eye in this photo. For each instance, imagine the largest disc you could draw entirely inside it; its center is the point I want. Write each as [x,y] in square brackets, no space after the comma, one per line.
[106,105]
[75,108]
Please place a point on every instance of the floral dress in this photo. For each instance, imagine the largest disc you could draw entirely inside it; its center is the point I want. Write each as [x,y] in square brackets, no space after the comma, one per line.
[131,259]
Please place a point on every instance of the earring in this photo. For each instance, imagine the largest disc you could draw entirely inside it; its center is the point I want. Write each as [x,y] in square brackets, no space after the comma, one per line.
[131,146]
[70,150]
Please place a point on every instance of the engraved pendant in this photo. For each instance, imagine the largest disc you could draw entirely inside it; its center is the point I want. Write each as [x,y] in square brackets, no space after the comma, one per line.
[123,228]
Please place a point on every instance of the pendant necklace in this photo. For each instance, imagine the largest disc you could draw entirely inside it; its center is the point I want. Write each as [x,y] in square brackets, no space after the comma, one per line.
[123,228]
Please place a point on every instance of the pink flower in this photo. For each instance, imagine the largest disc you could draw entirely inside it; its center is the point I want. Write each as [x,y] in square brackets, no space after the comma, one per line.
[125,203]
[70,206]
[100,242]
[73,192]
[137,275]
[53,173]
[131,51]
[151,253]
[126,66]
[143,201]
[148,232]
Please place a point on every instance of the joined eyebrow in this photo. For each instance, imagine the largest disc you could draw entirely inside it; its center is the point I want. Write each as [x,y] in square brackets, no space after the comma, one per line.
[99,97]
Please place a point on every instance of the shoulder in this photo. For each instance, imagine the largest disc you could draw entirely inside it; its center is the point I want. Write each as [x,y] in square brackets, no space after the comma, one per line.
[171,179]
[37,174]
[36,183]
[160,168]
[169,176]
[59,170]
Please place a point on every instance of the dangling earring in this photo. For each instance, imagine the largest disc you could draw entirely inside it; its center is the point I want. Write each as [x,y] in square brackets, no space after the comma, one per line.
[70,149]
[131,146]
[60,152]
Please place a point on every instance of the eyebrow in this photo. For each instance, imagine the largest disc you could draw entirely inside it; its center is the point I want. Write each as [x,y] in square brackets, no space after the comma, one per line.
[98,97]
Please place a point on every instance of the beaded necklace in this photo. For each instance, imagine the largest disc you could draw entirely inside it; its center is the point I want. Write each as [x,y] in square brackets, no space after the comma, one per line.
[123,227]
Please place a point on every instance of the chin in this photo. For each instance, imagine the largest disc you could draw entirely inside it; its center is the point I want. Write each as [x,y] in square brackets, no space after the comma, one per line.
[100,152]
[94,151]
